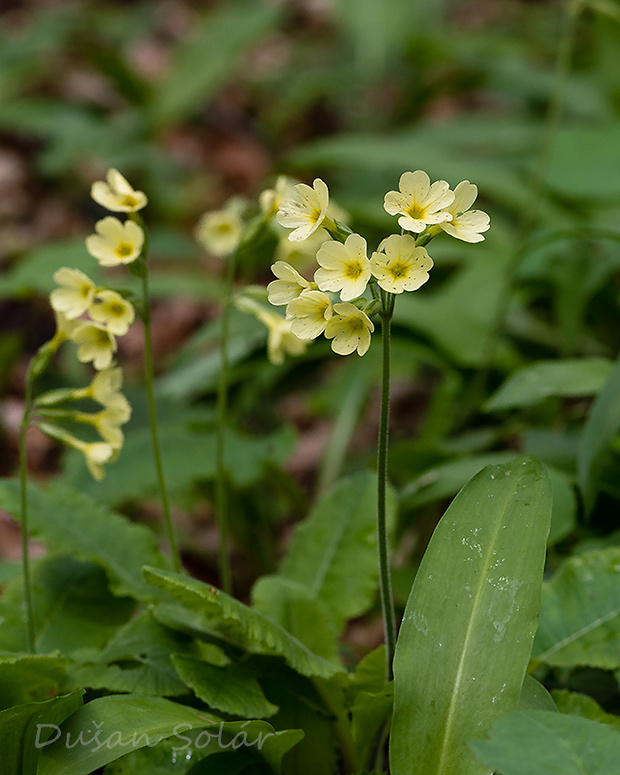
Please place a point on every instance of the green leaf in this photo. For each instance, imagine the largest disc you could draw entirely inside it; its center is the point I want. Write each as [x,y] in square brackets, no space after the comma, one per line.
[584,706]
[256,631]
[474,600]
[600,429]
[210,56]
[24,728]
[368,713]
[334,551]
[77,525]
[580,613]
[73,607]
[532,384]
[538,742]
[534,696]
[29,677]
[228,689]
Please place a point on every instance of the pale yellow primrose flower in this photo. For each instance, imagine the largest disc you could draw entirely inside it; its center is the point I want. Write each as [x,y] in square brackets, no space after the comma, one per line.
[305,211]
[280,340]
[105,388]
[402,266]
[117,194]
[466,224]
[344,268]
[75,294]
[107,422]
[288,286]
[350,329]
[115,312]
[219,231]
[270,199]
[419,203]
[95,343]
[115,242]
[309,314]
[96,453]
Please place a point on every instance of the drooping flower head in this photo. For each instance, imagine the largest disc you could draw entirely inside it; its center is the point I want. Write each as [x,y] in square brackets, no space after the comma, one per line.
[117,195]
[111,309]
[281,340]
[95,343]
[400,265]
[115,242]
[288,286]
[219,231]
[466,224]
[419,203]
[305,211]
[343,268]
[105,388]
[75,294]
[309,314]
[270,199]
[350,329]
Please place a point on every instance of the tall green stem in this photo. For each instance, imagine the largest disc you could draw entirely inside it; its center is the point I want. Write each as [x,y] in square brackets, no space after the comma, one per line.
[23,479]
[385,582]
[221,484]
[148,376]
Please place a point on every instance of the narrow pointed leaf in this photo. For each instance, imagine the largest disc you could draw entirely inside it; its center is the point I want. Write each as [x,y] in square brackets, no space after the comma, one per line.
[475,600]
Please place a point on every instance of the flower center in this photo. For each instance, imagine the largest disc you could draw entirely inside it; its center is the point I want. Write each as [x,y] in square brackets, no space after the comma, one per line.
[416,211]
[353,270]
[129,201]
[398,270]
[116,310]
[124,249]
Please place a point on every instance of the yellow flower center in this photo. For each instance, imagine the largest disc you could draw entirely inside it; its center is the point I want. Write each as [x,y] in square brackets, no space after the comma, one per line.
[353,270]
[116,310]
[102,338]
[84,290]
[398,270]
[129,201]
[124,249]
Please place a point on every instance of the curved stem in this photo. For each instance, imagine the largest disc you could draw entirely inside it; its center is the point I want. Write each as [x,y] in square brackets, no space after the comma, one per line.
[221,483]
[148,377]
[385,582]
[23,479]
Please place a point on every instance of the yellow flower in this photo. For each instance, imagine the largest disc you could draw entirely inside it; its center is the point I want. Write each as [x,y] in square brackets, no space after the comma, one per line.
[344,268]
[280,339]
[107,422]
[115,242]
[305,211]
[75,294]
[219,231]
[466,224]
[115,312]
[117,194]
[350,329]
[418,202]
[402,266]
[288,286]
[309,314]
[96,453]
[95,343]
[270,199]
[105,388]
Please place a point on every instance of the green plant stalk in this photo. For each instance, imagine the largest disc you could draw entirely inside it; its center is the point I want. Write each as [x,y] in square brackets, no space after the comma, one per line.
[221,484]
[148,377]
[385,582]
[23,480]
[341,727]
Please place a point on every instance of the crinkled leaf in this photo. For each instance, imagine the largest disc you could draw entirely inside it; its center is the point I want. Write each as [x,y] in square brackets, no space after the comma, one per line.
[584,706]
[29,677]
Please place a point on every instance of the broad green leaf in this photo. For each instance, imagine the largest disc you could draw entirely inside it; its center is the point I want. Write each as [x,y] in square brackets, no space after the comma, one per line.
[474,600]
[532,384]
[299,612]
[368,714]
[77,525]
[24,729]
[539,742]
[210,55]
[73,606]
[334,551]
[584,706]
[256,631]
[137,660]
[600,429]
[229,689]
[580,613]
[29,677]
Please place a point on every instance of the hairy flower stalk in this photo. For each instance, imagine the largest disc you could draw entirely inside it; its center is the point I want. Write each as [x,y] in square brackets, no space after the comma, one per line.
[23,483]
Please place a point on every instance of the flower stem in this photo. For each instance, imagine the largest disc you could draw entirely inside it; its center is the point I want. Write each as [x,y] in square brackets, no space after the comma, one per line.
[221,483]
[385,582]
[23,479]
[148,377]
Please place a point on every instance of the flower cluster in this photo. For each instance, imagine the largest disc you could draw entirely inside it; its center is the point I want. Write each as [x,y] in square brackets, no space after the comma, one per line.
[350,286]
[93,317]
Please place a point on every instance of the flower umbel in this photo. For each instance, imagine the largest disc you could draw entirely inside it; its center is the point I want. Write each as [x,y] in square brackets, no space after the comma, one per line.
[309,314]
[466,224]
[419,203]
[343,268]
[117,194]
[305,211]
[350,329]
[75,294]
[115,312]
[401,266]
[115,242]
